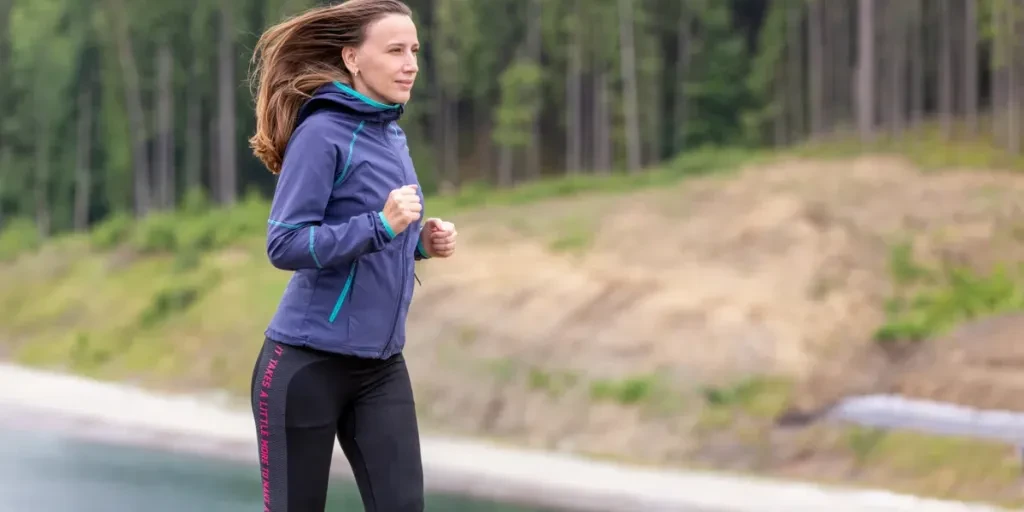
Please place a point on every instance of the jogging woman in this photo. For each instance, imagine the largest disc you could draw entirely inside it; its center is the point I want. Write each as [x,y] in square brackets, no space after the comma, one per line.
[332,84]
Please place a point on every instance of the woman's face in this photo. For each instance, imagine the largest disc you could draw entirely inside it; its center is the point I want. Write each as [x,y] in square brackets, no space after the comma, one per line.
[387,60]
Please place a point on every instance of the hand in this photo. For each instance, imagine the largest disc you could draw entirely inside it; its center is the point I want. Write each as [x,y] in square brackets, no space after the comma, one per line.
[402,208]
[438,238]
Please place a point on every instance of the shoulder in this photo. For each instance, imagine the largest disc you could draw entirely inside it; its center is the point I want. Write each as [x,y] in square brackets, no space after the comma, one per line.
[325,125]
[323,130]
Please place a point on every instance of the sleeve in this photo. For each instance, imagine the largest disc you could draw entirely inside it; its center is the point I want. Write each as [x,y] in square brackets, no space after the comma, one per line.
[297,237]
[420,253]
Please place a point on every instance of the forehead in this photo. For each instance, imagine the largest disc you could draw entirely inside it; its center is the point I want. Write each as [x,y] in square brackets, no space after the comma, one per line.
[391,29]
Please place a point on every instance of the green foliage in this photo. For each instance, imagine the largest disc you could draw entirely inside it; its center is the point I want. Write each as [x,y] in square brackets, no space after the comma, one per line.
[627,391]
[757,396]
[555,383]
[18,236]
[763,73]
[716,85]
[903,267]
[198,227]
[931,301]
[520,104]
[698,162]
[112,232]
[195,228]
[173,299]
[862,442]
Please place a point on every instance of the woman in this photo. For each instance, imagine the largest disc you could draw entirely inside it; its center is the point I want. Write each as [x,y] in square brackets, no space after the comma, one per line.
[332,84]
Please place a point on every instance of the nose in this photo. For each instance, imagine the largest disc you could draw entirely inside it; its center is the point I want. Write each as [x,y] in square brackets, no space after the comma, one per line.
[411,64]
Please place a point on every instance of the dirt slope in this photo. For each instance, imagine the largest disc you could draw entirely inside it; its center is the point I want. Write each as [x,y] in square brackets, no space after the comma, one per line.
[720,278]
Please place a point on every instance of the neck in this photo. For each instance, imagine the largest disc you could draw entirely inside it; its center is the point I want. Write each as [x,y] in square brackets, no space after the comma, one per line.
[360,86]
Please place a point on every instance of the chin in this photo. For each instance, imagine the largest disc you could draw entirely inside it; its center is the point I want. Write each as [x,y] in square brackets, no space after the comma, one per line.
[400,97]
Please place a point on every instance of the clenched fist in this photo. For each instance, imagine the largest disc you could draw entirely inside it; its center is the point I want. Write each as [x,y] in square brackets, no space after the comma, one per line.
[402,208]
[439,238]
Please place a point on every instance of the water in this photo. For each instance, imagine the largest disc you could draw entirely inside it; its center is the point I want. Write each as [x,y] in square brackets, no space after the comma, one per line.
[45,472]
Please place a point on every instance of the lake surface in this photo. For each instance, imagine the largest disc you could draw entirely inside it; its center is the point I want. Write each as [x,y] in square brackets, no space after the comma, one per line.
[45,472]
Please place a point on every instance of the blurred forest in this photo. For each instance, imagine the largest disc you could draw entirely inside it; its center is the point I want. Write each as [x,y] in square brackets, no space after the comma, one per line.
[133,106]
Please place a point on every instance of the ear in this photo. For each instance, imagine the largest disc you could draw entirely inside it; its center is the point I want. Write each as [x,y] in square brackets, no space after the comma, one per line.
[348,56]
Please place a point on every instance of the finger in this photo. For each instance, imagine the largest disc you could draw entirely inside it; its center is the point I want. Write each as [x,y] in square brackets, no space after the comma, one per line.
[443,247]
[408,197]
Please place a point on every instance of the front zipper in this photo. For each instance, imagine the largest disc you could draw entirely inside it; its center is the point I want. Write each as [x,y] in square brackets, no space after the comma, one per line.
[405,250]
[344,291]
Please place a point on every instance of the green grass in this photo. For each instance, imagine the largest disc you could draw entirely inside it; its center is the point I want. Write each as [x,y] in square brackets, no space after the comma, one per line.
[760,398]
[927,147]
[940,466]
[700,162]
[929,301]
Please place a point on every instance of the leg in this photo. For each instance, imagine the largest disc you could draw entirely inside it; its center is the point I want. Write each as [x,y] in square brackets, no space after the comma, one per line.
[380,437]
[294,404]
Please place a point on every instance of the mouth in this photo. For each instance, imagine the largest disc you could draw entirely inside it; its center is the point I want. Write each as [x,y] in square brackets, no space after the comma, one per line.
[405,84]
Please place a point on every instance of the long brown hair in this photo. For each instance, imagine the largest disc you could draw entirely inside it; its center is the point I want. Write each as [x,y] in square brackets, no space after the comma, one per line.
[295,57]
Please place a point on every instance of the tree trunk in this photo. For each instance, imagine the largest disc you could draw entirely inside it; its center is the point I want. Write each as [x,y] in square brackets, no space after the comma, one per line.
[896,41]
[44,134]
[916,50]
[227,170]
[945,67]
[865,70]
[133,102]
[682,69]
[165,128]
[1012,77]
[535,48]
[83,159]
[194,143]
[816,74]
[574,96]
[630,101]
[603,121]
[795,78]
[970,76]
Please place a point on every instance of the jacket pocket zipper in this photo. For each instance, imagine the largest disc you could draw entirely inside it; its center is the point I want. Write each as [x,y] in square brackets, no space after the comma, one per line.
[344,291]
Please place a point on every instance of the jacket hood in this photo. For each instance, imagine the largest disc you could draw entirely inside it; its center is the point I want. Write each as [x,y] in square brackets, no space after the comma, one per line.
[339,96]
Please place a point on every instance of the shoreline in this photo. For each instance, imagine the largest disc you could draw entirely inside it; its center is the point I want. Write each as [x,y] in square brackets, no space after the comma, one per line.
[114,413]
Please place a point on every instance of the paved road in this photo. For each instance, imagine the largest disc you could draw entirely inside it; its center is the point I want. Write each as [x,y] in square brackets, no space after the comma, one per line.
[889,411]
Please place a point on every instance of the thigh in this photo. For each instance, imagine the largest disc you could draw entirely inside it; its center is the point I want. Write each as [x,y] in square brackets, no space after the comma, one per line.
[380,437]
[295,406]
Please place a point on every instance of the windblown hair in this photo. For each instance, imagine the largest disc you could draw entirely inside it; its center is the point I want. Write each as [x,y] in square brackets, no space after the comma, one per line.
[295,57]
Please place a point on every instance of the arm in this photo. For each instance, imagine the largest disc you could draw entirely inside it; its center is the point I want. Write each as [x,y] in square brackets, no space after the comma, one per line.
[420,252]
[296,235]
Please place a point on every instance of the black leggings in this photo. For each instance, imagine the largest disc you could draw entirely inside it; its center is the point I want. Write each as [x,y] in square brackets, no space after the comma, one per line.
[303,398]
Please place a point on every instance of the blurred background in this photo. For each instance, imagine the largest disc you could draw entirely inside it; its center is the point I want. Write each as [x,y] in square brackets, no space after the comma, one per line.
[773,237]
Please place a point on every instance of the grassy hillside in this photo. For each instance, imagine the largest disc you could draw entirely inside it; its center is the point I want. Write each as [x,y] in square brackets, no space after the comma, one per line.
[668,317]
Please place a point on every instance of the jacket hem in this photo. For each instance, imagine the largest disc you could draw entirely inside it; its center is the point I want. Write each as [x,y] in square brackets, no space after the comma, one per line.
[330,346]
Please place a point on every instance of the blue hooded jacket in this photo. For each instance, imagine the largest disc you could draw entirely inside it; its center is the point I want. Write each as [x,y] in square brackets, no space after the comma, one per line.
[353,276]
